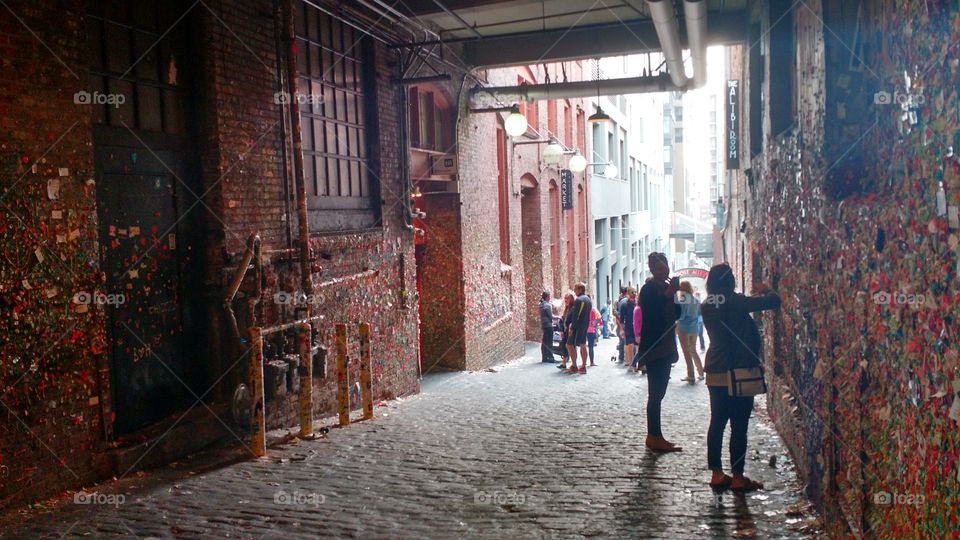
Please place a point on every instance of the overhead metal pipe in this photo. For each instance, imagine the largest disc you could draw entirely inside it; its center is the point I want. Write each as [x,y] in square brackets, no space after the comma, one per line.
[695,16]
[576,89]
[668,32]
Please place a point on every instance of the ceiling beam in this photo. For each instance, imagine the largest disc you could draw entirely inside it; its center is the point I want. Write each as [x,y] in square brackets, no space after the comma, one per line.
[632,37]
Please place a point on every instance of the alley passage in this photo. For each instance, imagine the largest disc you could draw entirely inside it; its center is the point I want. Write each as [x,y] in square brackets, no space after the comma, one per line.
[523,452]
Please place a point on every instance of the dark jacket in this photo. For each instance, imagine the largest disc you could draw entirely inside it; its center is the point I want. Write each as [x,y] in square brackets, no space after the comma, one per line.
[582,307]
[734,338]
[660,314]
[546,314]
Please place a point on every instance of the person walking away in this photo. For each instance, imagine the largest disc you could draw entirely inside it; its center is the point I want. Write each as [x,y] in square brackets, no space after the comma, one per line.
[658,348]
[616,315]
[687,330]
[596,322]
[546,324]
[564,351]
[700,325]
[735,343]
[627,306]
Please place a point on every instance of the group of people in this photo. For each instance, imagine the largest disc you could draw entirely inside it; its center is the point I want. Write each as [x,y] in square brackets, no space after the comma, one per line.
[579,323]
[650,323]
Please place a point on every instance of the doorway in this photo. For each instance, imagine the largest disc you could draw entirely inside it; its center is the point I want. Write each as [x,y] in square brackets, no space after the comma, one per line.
[146,180]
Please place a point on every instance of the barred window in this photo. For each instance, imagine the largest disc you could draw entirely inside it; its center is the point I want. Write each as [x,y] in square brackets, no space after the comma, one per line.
[337,121]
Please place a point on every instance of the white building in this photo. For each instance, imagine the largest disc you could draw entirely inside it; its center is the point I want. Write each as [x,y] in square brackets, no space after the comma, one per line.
[630,209]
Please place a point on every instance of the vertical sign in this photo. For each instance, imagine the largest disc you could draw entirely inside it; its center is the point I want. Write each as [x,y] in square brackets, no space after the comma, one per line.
[733,124]
[566,189]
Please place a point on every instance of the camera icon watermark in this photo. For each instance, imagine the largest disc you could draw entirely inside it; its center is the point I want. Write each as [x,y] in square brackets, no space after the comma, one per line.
[99,98]
[885,298]
[299,498]
[298,298]
[285,98]
[110,499]
[887,498]
[500,498]
[900,98]
[98,298]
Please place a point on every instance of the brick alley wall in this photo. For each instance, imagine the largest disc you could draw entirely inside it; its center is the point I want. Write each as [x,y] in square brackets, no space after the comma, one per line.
[493,289]
[363,276]
[54,355]
[52,350]
[864,373]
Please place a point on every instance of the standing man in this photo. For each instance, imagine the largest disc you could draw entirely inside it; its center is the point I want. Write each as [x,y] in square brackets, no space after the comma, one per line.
[546,324]
[658,343]
[579,323]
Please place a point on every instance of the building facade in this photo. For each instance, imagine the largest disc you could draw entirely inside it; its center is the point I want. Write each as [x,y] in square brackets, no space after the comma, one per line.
[630,209]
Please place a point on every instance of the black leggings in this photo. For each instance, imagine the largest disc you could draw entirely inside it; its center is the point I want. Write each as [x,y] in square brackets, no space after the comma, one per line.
[736,410]
[658,376]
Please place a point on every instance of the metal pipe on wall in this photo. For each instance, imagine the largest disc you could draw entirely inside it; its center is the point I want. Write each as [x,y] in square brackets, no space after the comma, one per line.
[306,271]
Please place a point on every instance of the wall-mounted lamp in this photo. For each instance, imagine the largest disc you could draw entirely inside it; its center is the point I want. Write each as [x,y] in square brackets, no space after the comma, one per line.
[578,163]
[516,123]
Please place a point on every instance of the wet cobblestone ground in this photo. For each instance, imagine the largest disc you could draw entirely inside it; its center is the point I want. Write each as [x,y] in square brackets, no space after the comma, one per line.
[523,452]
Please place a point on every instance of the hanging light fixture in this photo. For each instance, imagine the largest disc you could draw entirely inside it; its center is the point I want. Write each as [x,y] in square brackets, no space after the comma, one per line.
[577,162]
[599,116]
[515,123]
[553,153]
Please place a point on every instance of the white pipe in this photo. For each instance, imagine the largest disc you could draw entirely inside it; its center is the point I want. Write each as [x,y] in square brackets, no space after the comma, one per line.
[695,15]
[661,11]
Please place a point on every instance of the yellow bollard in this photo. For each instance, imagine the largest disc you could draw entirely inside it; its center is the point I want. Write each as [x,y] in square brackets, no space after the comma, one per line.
[306,380]
[343,384]
[366,377]
[258,444]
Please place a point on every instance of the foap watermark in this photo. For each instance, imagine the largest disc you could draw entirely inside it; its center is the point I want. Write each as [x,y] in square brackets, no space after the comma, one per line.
[285,98]
[888,498]
[696,498]
[99,298]
[885,298]
[110,499]
[99,98]
[299,498]
[897,97]
[500,497]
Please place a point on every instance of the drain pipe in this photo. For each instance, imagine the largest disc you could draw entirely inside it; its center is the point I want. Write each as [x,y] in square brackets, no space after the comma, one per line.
[306,271]
[695,16]
[665,23]
[576,89]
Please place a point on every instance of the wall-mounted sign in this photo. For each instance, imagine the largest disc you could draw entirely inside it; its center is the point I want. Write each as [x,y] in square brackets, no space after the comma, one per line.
[700,273]
[566,189]
[733,124]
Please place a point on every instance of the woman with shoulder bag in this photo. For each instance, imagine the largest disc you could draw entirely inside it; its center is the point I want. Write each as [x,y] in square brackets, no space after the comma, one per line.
[734,366]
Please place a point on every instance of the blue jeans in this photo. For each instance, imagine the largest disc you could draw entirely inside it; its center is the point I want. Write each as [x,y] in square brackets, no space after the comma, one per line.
[591,342]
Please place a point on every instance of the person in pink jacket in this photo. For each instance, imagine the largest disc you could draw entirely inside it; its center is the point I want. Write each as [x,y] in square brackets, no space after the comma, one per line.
[592,329]
[637,325]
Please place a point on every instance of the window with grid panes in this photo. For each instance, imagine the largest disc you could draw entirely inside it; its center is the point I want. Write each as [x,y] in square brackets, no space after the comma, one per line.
[336,120]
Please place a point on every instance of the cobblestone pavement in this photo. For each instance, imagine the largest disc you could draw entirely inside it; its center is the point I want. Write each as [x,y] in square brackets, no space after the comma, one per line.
[521,452]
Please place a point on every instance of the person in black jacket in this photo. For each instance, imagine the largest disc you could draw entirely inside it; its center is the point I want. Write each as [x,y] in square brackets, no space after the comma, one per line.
[658,343]
[546,324]
[734,343]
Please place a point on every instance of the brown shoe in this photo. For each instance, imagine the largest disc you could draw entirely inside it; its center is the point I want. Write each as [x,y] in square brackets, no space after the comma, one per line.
[661,445]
